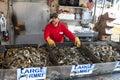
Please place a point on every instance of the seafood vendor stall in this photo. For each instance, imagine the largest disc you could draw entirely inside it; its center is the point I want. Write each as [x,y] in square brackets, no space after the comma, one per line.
[65,62]
[26,56]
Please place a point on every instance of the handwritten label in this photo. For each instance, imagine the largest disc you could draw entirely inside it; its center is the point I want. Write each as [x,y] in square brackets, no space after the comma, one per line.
[31,73]
[82,69]
[117,67]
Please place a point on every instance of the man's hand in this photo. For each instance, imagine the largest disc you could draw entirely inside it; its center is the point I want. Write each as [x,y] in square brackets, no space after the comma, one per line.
[51,42]
[77,42]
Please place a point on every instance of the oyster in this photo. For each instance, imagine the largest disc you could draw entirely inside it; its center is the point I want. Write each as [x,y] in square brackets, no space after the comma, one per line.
[67,56]
[104,53]
[22,58]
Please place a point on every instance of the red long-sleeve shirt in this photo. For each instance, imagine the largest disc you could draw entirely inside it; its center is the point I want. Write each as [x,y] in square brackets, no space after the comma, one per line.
[57,33]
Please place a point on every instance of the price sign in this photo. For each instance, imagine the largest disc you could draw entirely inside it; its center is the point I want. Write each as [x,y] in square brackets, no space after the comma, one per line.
[82,69]
[117,67]
[31,73]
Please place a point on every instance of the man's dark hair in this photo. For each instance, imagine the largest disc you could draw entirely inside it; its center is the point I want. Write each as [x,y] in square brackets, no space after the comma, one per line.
[54,15]
[90,0]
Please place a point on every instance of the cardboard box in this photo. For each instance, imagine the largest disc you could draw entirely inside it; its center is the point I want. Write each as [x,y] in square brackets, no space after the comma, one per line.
[104,37]
[106,31]
[102,21]
[109,16]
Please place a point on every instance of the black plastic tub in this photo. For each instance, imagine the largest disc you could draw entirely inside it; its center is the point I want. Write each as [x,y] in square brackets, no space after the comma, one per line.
[60,45]
[114,45]
[86,52]
[20,46]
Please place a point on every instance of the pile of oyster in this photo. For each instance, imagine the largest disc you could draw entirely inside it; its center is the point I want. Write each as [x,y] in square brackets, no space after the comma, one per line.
[40,57]
[25,57]
[104,53]
[67,56]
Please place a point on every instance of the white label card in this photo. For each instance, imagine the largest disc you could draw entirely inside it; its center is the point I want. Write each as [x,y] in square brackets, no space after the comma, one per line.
[117,67]
[82,69]
[31,73]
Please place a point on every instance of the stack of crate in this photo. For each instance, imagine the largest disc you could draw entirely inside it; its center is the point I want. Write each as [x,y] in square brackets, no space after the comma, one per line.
[104,26]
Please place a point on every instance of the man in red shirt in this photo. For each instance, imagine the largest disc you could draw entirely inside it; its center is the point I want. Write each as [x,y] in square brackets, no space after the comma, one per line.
[55,31]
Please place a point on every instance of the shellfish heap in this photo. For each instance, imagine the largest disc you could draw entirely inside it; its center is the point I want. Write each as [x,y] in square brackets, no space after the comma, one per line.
[104,53]
[24,58]
[40,57]
[67,56]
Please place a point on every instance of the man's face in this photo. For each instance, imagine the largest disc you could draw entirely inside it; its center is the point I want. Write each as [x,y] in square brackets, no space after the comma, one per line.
[55,21]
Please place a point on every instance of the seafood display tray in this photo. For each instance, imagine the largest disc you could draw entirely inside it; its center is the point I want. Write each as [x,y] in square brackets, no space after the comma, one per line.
[5,48]
[17,56]
[64,54]
[102,71]
[99,72]
[85,52]
[104,51]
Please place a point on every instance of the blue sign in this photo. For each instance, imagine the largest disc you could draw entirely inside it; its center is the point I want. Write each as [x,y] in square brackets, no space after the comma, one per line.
[82,69]
[31,73]
[117,67]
